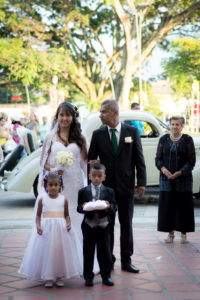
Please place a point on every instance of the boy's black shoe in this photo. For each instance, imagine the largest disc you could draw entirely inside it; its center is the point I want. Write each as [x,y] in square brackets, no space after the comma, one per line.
[89,282]
[108,281]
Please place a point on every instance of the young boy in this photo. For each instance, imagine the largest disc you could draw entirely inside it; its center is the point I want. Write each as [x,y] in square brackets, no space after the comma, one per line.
[95,226]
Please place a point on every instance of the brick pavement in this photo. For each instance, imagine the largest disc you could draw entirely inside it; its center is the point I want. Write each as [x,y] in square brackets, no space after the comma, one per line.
[167,271]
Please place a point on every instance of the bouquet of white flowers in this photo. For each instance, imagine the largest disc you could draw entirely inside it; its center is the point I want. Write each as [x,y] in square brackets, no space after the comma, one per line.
[64,159]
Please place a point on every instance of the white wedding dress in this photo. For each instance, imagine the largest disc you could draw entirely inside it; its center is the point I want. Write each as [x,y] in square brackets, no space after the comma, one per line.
[73,181]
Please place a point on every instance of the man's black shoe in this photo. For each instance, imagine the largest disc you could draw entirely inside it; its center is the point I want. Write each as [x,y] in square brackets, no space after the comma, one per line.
[108,281]
[130,268]
[89,282]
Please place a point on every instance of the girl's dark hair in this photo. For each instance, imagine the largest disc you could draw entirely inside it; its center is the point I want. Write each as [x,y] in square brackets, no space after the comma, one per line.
[53,176]
[75,128]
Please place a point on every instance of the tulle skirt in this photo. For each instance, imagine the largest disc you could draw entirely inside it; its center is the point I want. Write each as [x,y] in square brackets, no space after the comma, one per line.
[54,254]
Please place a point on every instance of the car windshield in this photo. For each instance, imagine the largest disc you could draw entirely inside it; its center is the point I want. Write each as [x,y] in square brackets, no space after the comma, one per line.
[164,126]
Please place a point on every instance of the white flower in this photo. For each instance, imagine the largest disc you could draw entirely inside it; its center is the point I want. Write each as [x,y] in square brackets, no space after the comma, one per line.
[64,158]
[128,139]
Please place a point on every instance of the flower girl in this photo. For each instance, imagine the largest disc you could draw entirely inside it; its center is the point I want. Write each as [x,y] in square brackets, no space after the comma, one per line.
[52,251]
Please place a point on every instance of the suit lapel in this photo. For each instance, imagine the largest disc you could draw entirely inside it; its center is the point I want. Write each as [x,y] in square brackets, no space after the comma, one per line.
[89,192]
[107,140]
[102,192]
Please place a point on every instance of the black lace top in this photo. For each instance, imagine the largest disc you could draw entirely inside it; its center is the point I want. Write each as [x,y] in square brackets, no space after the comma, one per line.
[176,156]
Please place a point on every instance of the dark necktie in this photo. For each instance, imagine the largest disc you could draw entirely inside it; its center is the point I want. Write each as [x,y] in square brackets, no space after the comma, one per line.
[114,139]
[97,189]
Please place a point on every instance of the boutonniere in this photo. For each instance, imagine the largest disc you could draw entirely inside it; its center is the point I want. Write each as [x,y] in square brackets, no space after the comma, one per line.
[128,139]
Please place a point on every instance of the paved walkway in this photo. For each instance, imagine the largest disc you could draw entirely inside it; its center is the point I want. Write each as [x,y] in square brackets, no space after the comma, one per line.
[167,271]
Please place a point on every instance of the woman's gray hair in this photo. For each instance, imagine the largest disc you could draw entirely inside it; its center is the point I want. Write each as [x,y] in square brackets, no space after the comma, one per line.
[180,118]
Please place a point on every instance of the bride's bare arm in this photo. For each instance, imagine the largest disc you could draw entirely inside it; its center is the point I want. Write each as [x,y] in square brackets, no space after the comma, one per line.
[84,157]
[47,165]
[84,154]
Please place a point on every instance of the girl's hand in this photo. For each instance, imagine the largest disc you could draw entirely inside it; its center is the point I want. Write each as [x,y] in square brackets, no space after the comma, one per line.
[60,172]
[68,226]
[56,170]
[39,230]
[68,223]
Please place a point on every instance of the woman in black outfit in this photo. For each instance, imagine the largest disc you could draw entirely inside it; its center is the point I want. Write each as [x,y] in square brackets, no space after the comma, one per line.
[175,158]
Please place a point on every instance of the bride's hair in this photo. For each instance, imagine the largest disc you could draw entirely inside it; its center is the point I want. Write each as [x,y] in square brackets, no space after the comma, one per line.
[75,128]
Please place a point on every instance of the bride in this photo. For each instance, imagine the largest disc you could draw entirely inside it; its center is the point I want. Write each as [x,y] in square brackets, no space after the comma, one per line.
[66,136]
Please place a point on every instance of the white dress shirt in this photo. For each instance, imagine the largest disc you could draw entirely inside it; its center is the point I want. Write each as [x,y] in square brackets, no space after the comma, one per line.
[117,132]
[94,191]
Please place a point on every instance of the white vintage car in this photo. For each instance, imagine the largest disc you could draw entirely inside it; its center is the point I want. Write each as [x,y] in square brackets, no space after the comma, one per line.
[24,176]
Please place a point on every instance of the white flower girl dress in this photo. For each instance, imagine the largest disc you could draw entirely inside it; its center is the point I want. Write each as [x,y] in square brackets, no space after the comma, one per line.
[55,253]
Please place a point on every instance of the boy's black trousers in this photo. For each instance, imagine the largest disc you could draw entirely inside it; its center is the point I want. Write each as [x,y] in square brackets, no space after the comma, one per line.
[99,237]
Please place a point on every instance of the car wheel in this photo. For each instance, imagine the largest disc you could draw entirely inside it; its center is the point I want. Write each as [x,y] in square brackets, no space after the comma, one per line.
[12,160]
[35,186]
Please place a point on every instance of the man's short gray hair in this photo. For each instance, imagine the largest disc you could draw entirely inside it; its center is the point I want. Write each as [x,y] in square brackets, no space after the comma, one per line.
[112,103]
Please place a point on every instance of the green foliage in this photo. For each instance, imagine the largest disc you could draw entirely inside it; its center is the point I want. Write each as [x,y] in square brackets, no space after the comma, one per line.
[41,38]
[184,66]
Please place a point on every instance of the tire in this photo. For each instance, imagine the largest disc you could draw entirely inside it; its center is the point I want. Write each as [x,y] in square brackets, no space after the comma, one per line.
[12,160]
[35,186]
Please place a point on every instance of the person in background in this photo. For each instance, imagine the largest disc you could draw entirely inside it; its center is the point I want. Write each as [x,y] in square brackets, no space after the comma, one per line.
[4,136]
[33,126]
[175,158]
[44,129]
[137,124]
[23,120]
[19,131]
[7,125]
[1,154]
[33,123]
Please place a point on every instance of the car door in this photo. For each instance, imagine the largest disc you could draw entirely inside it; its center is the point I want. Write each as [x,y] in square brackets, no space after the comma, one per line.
[149,136]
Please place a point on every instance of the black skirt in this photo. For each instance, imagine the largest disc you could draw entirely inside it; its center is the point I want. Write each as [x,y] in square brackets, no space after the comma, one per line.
[175,211]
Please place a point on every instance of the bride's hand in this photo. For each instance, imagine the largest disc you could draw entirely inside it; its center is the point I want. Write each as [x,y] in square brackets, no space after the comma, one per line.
[60,172]
[56,170]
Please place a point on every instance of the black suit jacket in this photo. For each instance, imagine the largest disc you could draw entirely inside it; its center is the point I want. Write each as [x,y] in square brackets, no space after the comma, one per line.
[120,167]
[85,195]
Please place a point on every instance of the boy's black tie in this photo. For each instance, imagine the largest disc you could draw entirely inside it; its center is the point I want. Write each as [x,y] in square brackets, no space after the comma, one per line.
[97,190]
